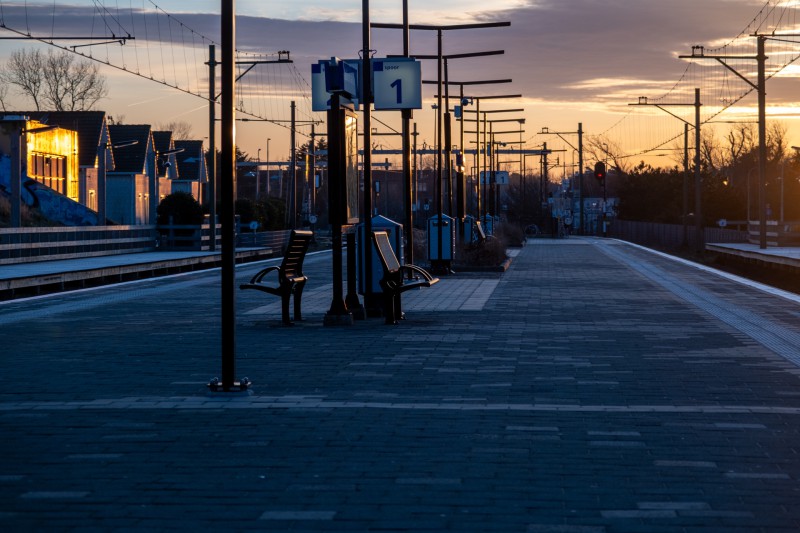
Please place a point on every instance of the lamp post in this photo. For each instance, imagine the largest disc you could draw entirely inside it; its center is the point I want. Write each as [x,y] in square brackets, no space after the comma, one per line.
[579,149]
[489,123]
[459,208]
[441,266]
[478,163]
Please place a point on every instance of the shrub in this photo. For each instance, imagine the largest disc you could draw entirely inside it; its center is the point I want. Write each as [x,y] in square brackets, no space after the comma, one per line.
[491,252]
[510,234]
[269,213]
[183,209]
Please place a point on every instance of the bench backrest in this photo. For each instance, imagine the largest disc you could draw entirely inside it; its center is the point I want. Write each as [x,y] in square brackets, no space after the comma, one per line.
[385,252]
[292,264]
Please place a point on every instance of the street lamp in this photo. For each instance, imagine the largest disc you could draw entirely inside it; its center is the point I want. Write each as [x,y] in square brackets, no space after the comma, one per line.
[442,266]
[579,149]
[482,199]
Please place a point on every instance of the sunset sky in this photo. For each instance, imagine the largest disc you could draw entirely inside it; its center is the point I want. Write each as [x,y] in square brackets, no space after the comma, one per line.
[572,60]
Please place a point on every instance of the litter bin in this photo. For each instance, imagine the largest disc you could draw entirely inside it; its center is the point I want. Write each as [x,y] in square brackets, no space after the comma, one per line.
[395,232]
[448,246]
[472,231]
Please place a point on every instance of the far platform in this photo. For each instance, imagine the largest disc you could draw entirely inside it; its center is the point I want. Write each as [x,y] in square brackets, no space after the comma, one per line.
[787,257]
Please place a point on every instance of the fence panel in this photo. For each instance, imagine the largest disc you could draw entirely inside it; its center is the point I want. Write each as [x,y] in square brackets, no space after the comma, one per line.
[670,236]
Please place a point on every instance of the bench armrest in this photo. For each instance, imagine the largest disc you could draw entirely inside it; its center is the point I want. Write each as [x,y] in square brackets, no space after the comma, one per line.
[421,271]
[260,275]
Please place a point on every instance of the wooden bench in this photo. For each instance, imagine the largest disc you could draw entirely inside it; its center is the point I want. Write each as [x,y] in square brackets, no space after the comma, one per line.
[393,282]
[291,279]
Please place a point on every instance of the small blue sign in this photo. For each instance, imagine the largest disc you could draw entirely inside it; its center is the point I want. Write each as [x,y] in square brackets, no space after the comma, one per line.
[334,74]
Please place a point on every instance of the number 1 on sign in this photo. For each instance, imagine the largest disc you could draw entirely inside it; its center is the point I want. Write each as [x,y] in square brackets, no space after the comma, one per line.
[398,84]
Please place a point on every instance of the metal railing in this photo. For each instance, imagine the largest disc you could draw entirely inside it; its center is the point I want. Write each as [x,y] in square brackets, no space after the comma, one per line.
[670,236]
[24,245]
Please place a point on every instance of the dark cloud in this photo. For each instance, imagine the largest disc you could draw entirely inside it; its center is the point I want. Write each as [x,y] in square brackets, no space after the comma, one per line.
[551,49]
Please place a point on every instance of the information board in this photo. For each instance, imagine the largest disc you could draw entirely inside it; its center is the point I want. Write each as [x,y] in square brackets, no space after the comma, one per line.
[396,82]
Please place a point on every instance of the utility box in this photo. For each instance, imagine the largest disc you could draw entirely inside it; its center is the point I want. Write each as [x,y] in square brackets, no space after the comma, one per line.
[395,232]
[446,226]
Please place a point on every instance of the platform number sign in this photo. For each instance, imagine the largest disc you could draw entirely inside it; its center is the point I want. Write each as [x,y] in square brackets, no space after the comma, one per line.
[397,83]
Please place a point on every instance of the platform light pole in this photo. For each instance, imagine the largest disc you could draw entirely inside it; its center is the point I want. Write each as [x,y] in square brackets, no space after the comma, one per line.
[228,382]
[579,149]
[440,56]
[480,146]
[445,113]
[461,209]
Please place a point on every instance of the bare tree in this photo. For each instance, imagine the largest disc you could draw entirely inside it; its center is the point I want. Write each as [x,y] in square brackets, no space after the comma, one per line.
[24,71]
[3,96]
[181,130]
[598,148]
[55,80]
[71,84]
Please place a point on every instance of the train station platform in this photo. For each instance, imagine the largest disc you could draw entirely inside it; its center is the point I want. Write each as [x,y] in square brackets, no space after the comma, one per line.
[780,257]
[595,386]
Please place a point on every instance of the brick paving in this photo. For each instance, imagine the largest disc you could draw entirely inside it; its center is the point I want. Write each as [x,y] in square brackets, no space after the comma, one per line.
[593,387]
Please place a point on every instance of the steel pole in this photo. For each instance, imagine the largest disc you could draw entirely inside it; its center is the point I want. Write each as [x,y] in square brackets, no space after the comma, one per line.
[580,175]
[293,170]
[685,212]
[762,143]
[366,69]
[698,192]
[407,174]
[228,193]
[212,147]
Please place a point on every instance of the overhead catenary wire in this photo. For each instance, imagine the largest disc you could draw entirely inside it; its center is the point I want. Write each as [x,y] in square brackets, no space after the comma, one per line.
[155,43]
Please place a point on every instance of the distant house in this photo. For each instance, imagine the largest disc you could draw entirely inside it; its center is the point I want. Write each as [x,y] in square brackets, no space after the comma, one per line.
[92,132]
[46,157]
[128,188]
[193,173]
[165,162]
[50,154]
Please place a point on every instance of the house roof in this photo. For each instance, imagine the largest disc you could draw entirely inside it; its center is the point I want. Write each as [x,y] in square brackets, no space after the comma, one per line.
[133,158]
[88,124]
[190,162]
[162,140]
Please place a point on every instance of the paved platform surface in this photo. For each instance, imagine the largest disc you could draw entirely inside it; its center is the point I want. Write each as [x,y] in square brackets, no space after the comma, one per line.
[593,387]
